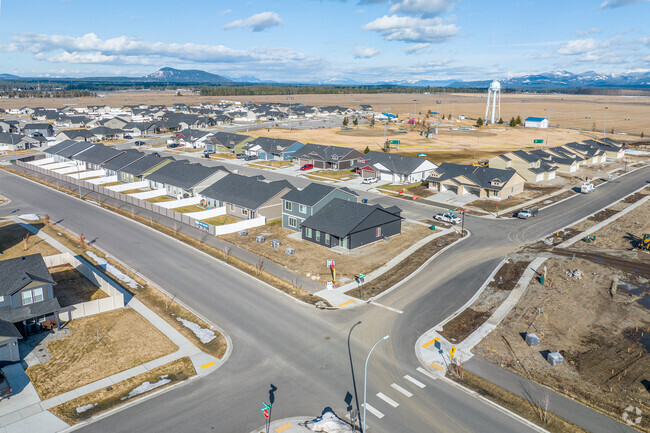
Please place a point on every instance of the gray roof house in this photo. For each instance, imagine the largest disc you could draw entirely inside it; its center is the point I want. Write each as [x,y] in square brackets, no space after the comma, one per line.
[53,150]
[247,197]
[184,178]
[300,204]
[348,224]
[115,165]
[69,152]
[75,134]
[142,168]
[327,157]
[483,182]
[26,290]
[93,157]
[44,129]
[394,168]
[272,148]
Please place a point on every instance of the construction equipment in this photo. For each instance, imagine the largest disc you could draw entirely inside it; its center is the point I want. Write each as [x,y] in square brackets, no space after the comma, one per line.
[480,163]
[644,244]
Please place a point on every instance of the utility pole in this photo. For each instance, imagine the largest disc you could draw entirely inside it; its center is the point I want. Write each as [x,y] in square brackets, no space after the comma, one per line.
[415,110]
[451,131]
[605,124]
[438,102]
[290,99]
[549,124]
[524,102]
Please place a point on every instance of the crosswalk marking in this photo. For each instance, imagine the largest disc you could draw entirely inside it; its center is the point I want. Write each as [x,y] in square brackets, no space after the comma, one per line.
[415,382]
[387,399]
[374,411]
[402,390]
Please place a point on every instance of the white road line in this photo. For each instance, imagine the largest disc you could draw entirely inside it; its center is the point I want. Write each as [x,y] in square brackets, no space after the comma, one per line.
[387,399]
[427,373]
[374,411]
[402,390]
[394,310]
[415,382]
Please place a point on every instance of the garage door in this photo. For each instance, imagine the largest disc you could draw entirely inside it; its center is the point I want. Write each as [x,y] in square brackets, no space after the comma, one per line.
[386,176]
[449,188]
[368,173]
[472,190]
[551,175]
[5,352]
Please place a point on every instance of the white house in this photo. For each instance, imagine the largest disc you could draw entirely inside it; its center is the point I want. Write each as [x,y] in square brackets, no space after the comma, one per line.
[536,122]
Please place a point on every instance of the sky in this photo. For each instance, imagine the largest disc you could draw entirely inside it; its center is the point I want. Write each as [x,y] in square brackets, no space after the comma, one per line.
[305,40]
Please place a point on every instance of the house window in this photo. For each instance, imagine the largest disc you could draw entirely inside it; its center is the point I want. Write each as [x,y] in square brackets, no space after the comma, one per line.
[327,238]
[378,232]
[308,232]
[38,294]
[302,208]
[287,205]
[292,222]
[317,236]
[244,211]
[252,214]
[2,298]
[27,297]
[232,207]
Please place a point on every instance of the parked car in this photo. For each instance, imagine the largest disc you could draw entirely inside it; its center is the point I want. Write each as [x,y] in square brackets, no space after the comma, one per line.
[172,145]
[127,137]
[156,154]
[369,180]
[5,387]
[240,155]
[139,143]
[250,157]
[524,214]
[306,167]
[447,217]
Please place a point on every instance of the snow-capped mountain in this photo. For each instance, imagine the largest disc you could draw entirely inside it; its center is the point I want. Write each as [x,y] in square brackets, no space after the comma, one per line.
[185,76]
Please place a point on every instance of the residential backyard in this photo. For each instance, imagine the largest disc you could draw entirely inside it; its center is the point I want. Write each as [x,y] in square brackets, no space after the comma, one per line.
[159,199]
[13,243]
[221,220]
[72,287]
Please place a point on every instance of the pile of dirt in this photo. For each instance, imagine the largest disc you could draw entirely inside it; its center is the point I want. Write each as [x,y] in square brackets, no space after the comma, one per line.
[603,215]
[462,326]
[508,275]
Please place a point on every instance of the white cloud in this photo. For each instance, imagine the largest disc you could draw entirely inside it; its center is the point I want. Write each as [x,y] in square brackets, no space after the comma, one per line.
[578,46]
[590,31]
[611,4]
[225,12]
[426,8]
[365,52]
[76,58]
[257,22]
[412,29]
[416,48]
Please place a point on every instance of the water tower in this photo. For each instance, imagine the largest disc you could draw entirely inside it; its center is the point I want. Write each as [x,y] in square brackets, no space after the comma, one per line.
[495,91]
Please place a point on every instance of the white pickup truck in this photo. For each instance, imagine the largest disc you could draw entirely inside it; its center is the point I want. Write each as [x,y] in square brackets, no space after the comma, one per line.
[447,218]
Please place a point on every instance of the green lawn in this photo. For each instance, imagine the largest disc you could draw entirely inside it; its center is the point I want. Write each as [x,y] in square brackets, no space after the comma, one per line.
[221,220]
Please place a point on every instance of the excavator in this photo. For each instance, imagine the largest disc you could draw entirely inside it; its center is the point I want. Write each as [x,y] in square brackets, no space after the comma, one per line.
[644,244]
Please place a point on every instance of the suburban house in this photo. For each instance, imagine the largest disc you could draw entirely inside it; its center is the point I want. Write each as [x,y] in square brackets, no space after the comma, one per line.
[298,205]
[613,150]
[394,168]
[101,133]
[591,154]
[114,165]
[18,141]
[192,138]
[184,179]
[536,122]
[564,159]
[93,157]
[483,182]
[26,301]
[141,168]
[327,157]
[272,148]
[44,129]
[75,134]
[247,197]
[349,224]
[8,125]
[533,168]
[141,129]
[68,151]
[114,123]
[226,142]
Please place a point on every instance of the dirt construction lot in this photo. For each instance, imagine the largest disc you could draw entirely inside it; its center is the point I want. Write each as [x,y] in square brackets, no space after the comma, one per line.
[603,337]
[310,259]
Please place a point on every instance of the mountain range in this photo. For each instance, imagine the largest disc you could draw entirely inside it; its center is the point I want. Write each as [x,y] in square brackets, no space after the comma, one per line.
[547,80]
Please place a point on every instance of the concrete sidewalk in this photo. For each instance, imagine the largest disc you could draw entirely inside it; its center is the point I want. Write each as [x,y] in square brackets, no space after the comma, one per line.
[25,411]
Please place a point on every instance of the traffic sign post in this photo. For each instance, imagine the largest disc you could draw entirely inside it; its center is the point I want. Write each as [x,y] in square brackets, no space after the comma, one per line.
[538,141]
[266,411]
[452,352]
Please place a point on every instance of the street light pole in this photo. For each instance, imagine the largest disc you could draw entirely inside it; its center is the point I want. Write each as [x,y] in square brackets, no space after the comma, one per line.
[365,381]
[524,102]
[605,124]
[549,124]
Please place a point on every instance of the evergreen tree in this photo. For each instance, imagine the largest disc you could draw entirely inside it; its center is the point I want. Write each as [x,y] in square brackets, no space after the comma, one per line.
[500,122]
[513,122]
[479,122]
[356,121]
[372,121]
[366,150]
[518,120]
[345,121]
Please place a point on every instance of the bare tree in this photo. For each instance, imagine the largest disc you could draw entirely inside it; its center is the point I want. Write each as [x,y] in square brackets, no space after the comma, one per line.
[259,266]
[169,302]
[82,240]
[226,252]
[25,240]
[47,220]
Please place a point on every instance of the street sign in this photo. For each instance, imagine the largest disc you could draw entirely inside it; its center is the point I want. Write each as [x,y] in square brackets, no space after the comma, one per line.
[393,142]
[266,414]
[202,225]
[452,352]
[538,141]
[265,407]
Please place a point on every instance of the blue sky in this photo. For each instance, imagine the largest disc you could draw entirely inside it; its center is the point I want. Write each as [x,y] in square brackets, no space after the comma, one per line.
[362,40]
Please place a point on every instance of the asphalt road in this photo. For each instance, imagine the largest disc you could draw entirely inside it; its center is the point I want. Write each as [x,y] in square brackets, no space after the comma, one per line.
[301,351]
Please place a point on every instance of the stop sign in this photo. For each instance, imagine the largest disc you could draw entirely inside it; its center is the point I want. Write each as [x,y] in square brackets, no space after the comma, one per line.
[266,414]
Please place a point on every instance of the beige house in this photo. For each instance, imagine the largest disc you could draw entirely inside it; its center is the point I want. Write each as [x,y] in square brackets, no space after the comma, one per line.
[483,182]
[533,168]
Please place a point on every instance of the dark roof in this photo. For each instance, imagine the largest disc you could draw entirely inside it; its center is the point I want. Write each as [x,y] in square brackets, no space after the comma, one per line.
[398,164]
[60,146]
[341,217]
[36,309]
[271,145]
[228,139]
[19,272]
[98,154]
[37,126]
[528,157]
[72,133]
[7,138]
[482,176]
[8,330]
[244,191]
[312,194]
[326,153]
[121,161]
[103,130]
[183,174]
[143,165]
[70,151]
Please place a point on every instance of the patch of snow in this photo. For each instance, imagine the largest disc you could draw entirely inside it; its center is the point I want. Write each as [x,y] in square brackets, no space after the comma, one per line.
[146,387]
[29,217]
[203,334]
[102,263]
[329,423]
[96,203]
[636,152]
[85,407]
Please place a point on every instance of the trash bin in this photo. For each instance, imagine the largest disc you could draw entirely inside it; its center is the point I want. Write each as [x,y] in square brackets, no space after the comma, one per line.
[364,201]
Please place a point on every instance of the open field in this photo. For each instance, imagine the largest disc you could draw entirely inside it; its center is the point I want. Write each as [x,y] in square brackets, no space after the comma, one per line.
[107,398]
[98,347]
[310,259]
